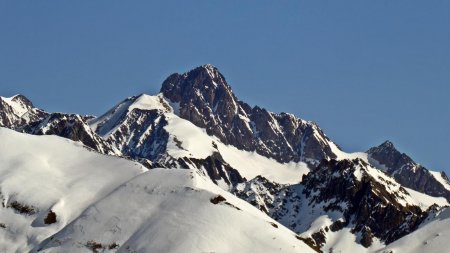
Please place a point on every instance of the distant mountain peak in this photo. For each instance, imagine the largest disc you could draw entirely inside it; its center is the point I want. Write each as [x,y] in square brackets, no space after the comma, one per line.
[210,67]
[18,110]
[18,100]
[204,81]
[387,144]
[23,99]
[385,147]
[408,172]
[205,98]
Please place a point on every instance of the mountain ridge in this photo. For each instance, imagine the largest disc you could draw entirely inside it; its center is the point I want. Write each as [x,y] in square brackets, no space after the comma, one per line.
[284,166]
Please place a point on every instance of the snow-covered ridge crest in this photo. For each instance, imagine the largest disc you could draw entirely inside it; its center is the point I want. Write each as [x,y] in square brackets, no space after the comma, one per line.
[113,116]
[19,103]
[17,111]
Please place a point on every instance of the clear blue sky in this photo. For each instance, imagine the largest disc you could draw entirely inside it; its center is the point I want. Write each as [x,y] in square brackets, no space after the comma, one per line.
[366,71]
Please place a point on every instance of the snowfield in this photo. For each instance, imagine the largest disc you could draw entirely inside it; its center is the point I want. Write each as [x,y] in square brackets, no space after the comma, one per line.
[50,173]
[172,211]
[109,204]
[431,237]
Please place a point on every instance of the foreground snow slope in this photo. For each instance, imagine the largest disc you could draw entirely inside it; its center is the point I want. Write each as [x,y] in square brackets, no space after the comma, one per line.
[431,237]
[172,211]
[108,204]
[43,173]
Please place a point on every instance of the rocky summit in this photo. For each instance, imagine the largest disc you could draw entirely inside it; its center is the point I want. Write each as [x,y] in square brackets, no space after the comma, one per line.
[204,98]
[407,172]
[210,173]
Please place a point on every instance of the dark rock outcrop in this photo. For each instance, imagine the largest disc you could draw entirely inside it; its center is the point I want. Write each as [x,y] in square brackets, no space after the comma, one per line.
[205,99]
[139,133]
[406,171]
[370,204]
[73,127]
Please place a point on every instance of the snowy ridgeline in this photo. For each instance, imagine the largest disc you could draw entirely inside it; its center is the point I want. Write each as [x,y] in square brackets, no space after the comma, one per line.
[235,179]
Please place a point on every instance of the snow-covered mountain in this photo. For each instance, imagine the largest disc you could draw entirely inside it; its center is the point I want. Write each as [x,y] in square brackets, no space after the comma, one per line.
[203,97]
[222,177]
[58,196]
[18,110]
[346,198]
[408,172]
[146,128]
[47,181]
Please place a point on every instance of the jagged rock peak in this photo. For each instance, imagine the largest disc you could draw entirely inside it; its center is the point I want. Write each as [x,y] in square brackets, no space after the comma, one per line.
[408,172]
[18,110]
[387,144]
[203,97]
[388,154]
[204,81]
[20,100]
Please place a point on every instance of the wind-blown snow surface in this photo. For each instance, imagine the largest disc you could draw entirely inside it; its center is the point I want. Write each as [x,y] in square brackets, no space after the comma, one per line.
[431,237]
[111,204]
[171,211]
[51,173]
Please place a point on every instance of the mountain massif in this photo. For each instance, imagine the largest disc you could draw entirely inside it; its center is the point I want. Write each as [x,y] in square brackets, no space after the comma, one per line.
[194,169]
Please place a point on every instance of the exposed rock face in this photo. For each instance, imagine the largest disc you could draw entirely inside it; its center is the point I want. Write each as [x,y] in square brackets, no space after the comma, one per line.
[368,202]
[70,126]
[205,99]
[407,172]
[268,196]
[215,168]
[373,204]
[17,111]
[137,129]
[137,132]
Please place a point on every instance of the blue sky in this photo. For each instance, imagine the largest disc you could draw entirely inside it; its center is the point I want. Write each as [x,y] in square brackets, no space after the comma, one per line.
[366,71]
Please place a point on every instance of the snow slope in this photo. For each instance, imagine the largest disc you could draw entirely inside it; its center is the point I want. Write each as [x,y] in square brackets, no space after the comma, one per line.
[109,204]
[111,120]
[50,173]
[18,106]
[172,211]
[410,197]
[431,237]
[440,179]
